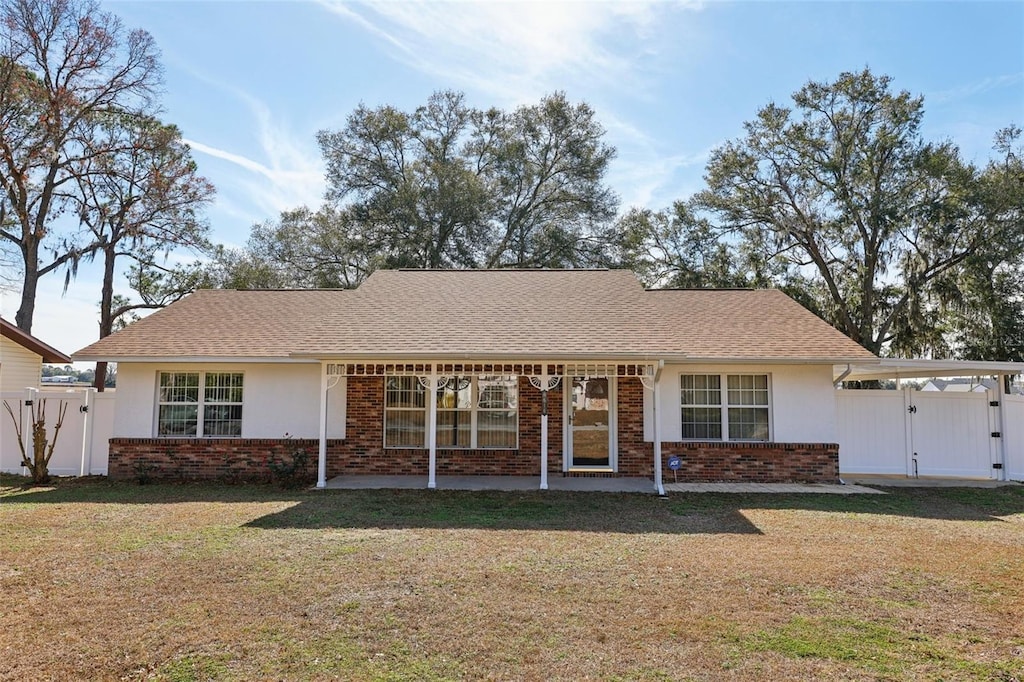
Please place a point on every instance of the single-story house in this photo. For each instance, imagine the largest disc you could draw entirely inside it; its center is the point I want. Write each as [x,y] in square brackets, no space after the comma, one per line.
[21,358]
[482,372]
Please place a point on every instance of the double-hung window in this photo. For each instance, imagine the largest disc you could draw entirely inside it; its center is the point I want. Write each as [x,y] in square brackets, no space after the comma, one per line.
[405,415]
[472,412]
[199,404]
[725,407]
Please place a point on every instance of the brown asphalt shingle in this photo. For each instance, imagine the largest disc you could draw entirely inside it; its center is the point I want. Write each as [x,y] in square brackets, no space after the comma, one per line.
[484,314]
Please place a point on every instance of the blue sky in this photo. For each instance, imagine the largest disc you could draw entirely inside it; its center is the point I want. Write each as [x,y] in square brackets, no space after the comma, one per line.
[250,84]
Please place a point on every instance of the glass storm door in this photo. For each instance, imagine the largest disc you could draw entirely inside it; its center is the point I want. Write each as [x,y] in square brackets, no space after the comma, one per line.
[590,431]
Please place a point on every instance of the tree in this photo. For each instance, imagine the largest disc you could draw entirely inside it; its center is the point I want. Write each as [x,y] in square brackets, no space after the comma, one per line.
[61,63]
[309,249]
[36,447]
[843,191]
[452,186]
[141,199]
[980,307]
[546,170]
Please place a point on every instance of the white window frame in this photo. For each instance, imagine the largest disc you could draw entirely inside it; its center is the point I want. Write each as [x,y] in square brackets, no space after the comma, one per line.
[387,408]
[200,405]
[724,406]
[473,412]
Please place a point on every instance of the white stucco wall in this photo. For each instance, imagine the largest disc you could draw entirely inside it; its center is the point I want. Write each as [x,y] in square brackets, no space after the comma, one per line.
[802,398]
[19,367]
[276,399]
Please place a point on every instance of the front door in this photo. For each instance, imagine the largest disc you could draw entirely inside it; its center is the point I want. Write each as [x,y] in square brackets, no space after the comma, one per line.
[589,414]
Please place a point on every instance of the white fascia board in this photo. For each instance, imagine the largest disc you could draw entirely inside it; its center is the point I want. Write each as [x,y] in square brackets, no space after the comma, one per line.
[893,368]
[194,359]
[767,361]
[525,358]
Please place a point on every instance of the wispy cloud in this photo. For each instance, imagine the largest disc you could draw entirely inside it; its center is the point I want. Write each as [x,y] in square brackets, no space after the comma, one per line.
[513,50]
[290,174]
[971,89]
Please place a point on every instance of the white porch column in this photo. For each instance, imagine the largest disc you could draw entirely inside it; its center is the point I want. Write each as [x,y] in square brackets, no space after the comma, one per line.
[544,429]
[321,466]
[432,428]
[659,486]
[87,408]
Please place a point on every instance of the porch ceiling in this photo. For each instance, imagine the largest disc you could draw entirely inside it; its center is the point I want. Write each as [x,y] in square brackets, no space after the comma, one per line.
[893,368]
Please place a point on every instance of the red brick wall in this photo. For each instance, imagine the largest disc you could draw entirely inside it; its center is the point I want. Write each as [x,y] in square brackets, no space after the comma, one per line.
[363,452]
[230,459]
[753,462]
[636,458]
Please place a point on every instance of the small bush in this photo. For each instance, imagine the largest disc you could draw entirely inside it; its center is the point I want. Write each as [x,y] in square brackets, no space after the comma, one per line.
[144,472]
[292,472]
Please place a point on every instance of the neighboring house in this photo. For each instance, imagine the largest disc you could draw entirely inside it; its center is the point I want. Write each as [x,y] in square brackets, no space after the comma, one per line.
[493,372]
[21,358]
[960,385]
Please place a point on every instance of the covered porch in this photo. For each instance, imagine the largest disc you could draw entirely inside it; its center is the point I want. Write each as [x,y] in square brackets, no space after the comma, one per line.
[589,450]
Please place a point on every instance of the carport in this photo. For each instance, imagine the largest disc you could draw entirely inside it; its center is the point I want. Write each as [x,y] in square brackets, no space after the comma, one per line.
[912,433]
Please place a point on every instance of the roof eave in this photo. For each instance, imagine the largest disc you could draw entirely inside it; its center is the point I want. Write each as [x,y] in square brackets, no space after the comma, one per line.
[192,358]
[26,340]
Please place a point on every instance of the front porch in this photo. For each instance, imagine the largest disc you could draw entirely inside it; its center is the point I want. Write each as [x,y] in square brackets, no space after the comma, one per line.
[456,425]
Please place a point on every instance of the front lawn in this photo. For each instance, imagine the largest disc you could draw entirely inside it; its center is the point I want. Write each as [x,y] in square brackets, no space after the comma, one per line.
[211,582]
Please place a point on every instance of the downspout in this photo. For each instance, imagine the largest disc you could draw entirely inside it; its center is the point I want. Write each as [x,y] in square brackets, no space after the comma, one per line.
[839,379]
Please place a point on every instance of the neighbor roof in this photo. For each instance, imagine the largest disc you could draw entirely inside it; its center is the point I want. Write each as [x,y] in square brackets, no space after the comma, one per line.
[26,340]
[484,314]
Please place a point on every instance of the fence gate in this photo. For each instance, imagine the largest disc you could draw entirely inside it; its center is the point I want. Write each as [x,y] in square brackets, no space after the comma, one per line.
[920,433]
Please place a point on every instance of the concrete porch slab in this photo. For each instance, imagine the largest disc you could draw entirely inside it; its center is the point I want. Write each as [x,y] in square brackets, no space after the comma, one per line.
[582,484]
[508,483]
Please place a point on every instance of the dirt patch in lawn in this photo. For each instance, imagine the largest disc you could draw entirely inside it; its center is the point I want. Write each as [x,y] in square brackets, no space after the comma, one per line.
[207,582]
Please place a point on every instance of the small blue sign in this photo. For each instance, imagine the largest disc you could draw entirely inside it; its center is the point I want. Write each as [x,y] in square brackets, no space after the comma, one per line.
[675,463]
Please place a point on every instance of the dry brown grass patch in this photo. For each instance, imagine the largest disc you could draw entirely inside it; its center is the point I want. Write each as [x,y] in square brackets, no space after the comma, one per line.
[204,582]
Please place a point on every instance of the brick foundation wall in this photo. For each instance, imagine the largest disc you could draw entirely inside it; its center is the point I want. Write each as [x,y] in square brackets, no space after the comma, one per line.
[226,459]
[753,462]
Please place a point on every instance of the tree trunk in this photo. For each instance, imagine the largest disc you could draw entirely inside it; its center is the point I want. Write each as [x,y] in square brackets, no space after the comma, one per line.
[23,318]
[106,314]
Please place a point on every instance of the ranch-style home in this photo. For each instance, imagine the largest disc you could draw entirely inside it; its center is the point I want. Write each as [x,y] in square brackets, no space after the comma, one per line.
[482,372]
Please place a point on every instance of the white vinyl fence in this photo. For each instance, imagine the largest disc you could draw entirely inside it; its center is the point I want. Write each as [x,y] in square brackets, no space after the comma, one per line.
[1014,433]
[83,440]
[928,433]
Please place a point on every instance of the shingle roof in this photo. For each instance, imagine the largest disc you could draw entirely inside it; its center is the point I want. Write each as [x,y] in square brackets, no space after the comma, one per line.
[467,314]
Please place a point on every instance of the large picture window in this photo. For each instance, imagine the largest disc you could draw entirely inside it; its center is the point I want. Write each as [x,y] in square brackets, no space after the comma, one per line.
[740,412]
[199,404]
[472,412]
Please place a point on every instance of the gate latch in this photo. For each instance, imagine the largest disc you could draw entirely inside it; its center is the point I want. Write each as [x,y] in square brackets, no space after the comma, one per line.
[912,409]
